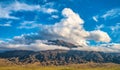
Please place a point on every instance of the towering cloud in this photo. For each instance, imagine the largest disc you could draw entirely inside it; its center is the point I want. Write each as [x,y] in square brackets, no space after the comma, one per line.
[71,29]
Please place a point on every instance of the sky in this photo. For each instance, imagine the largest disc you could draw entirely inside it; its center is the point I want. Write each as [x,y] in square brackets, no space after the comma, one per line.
[27,25]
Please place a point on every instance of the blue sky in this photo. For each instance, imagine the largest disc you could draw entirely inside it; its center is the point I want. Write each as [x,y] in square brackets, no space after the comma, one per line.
[20,17]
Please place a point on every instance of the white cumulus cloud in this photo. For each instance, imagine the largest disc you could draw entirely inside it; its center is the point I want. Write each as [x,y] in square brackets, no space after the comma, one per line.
[71,28]
[98,35]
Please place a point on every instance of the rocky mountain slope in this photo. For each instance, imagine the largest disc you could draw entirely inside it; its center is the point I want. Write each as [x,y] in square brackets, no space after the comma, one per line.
[59,57]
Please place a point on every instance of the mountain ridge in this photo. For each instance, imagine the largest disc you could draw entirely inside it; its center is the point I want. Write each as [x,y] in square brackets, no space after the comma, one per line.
[59,57]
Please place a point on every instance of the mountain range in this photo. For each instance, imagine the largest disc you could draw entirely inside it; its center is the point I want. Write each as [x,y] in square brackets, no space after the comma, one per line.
[59,57]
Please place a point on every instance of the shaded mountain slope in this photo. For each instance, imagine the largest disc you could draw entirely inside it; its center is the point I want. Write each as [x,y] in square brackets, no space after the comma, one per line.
[59,57]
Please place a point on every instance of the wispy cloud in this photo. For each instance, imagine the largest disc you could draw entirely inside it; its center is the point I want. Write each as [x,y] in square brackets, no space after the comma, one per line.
[99,27]
[111,14]
[48,10]
[6,25]
[5,12]
[115,28]
[55,16]
[36,46]
[95,18]
[1,41]
[113,47]
[115,31]
[17,6]
[29,25]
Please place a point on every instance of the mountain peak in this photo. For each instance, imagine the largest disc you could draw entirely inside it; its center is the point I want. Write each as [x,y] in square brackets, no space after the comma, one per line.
[62,43]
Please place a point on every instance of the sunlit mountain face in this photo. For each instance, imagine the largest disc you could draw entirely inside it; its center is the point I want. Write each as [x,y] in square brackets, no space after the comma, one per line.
[90,25]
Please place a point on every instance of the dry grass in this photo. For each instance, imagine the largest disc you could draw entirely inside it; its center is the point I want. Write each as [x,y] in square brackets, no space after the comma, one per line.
[88,66]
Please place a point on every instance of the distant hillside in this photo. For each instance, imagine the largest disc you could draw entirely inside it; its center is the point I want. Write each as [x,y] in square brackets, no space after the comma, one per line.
[59,57]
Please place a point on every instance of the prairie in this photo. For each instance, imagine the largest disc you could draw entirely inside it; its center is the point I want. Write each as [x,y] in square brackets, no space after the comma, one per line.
[88,66]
